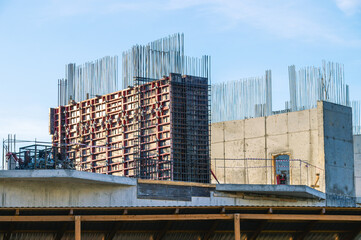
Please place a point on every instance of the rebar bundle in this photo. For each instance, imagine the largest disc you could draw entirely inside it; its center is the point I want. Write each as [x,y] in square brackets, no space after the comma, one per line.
[312,84]
[160,58]
[88,80]
[245,98]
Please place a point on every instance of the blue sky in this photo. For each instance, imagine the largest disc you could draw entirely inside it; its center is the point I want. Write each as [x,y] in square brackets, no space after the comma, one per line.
[244,38]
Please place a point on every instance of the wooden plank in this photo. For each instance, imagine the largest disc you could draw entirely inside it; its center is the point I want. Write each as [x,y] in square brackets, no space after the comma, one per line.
[173,217]
[77,228]
[182,217]
[36,218]
[237,227]
[303,209]
[300,217]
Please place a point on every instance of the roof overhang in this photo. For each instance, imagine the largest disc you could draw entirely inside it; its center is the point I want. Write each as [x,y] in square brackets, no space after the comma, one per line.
[294,191]
[61,175]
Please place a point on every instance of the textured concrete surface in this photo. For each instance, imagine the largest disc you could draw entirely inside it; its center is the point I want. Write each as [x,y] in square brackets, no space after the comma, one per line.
[338,152]
[321,137]
[297,191]
[42,191]
[63,176]
[294,133]
[357,164]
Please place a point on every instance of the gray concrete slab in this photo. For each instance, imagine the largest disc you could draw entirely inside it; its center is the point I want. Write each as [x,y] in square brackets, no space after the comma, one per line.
[61,175]
[296,191]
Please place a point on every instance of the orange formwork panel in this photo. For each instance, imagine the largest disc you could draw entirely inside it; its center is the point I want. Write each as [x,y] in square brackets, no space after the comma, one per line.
[136,132]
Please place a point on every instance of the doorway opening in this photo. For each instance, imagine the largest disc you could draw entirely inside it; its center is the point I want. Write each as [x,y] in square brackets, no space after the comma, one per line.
[281,165]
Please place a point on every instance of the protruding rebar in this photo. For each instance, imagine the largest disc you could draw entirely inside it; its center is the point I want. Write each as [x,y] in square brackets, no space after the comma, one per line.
[92,78]
[160,58]
[245,98]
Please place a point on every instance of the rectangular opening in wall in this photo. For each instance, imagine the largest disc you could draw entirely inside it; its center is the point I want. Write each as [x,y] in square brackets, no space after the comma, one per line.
[281,165]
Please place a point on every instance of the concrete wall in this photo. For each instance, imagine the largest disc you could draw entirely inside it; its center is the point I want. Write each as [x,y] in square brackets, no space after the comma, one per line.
[338,151]
[33,188]
[294,133]
[322,137]
[357,164]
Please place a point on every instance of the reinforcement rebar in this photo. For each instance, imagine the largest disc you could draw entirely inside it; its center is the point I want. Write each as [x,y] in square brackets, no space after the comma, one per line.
[88,80]
[160,58]
[312,84]
[240,99]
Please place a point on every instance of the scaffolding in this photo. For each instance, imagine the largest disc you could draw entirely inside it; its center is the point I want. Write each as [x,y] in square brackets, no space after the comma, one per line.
[157,129]
[27,154]
[190,113]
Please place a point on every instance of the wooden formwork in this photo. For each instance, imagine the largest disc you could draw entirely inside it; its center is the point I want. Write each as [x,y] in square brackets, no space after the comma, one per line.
[132,132]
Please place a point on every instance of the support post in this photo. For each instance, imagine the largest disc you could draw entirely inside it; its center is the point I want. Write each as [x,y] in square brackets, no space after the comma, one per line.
[77,228]
[237,227]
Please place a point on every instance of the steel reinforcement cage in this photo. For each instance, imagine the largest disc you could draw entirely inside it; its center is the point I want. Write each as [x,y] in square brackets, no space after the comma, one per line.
[157,129]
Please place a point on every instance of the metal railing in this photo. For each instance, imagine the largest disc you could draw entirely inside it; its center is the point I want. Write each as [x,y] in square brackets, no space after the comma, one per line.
[267,171]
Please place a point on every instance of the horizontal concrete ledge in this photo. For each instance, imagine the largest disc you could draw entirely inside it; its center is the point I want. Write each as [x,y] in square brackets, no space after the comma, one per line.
[296,191]
[65,175]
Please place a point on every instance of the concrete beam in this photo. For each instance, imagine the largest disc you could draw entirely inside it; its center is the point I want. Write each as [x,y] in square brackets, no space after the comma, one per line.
[295,191]
[66,176]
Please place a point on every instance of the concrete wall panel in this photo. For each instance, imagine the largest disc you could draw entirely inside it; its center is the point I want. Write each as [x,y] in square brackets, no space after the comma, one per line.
[217,132]
[254,127]
[234,149]
[299,121]
[233,130]
[255,148]
[277,144]
[277,124]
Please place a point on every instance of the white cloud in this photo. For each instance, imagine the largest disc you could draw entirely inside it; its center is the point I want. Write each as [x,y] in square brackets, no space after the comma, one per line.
[299,19]
[349,7]
[285,19]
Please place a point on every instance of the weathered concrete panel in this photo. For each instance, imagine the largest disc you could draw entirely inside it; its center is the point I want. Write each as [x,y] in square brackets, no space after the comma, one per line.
[317,136]
[357,164]
[217,131]
[217,150]
[254,127]
[300,144]
[313,119]
[233,130]
[22,192]
[277,124]
[298,191]
[299,121]
[277,144]
[255,148]
[234,149]
[339,158]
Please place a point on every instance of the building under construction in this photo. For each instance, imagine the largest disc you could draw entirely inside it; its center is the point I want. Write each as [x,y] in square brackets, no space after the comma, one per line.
[158,129]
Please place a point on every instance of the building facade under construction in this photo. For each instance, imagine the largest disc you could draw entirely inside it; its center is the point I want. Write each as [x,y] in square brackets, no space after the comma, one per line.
[158,129]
